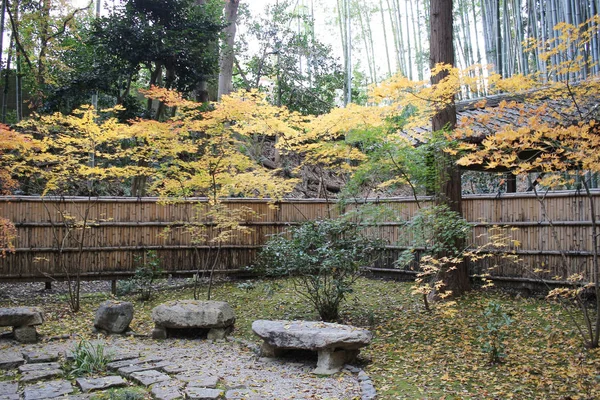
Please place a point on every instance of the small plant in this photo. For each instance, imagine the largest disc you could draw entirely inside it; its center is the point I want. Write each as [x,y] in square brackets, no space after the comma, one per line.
[439,235]
[246,286]
[323,258]
[494,332]
[87,359]
[148,271]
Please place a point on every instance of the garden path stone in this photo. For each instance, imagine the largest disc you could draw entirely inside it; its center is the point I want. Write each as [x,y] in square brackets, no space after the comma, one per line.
[204,381]
[239,394]
[10,360]
[149,377]
[130,362]
[39,366]
[48,390]
[35,372]
[89,384]
[176,369]
[8,391]
[127,371]
[197,393]
[34,357]
[198,378]
[120,355]
[31,376]
[168,390]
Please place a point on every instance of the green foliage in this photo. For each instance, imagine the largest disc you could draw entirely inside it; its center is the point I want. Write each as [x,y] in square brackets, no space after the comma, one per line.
[435,230]
[305,75]
[439,229]
[146,273]
[494,332]
[88,359]
[323,258]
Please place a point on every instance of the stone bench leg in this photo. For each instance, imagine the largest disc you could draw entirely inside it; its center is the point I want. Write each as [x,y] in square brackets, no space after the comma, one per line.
[266,350]
[331,361]
[218,333]
[159,332]
[25,334]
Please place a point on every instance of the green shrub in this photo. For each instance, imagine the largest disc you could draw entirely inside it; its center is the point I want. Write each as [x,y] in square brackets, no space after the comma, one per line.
[146,273]
[494,332]
[323,258]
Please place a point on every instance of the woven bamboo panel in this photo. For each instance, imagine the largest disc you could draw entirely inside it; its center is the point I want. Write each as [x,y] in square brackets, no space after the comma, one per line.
[554,235]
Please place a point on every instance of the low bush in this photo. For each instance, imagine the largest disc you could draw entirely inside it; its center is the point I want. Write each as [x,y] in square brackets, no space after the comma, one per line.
[323,258]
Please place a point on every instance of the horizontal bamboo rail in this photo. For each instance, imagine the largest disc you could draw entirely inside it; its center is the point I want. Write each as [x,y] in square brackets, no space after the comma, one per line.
[119,231]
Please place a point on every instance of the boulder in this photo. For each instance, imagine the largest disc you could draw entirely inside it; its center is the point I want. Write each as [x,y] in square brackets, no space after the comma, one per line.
[184,314]
[114,316]
[21,316]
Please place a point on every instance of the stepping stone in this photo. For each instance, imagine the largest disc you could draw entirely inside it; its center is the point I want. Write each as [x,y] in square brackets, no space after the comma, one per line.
[8,391]
[204,381]
[89,384]
[48,390]
[39,366]
[34,372]
[33,357]
[118,355]
[197,375]
[127,371]
[168,390]
[239,394]
[31,376]
[149,377]
[175,369]
[9,361]
[203,393]
[132,361]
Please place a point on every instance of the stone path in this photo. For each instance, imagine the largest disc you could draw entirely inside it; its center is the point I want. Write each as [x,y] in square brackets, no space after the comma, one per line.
[172,370]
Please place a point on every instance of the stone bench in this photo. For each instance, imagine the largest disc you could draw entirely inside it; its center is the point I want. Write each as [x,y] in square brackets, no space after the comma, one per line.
[214,316]
[23,321]
[335,344]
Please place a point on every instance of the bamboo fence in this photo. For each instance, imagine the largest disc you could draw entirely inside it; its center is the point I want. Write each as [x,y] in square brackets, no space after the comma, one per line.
[107,238]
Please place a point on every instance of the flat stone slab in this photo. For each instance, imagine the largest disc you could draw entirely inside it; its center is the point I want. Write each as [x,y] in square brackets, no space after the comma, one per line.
[176,369]
[311,335]
[242,394]
[10,360]
[197,393]
[168,390]
[47,390]
[119,355]
[8,391]
[203,381]
[39,375]
[127,371]
[197,376]
[89,384]
[39,366]
[149,377]
[183,314]
[21,316]
[114,365]
[33,357]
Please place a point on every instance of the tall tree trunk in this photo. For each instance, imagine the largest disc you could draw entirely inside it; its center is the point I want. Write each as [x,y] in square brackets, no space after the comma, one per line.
[385,38]
[455,280]
[227,50]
